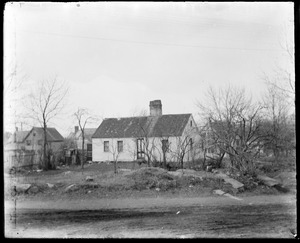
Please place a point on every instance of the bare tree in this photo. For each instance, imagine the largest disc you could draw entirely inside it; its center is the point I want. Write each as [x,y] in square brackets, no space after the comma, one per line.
[277,126]
[83,118]
[283,77]
[153,146]
[149,148]
[183,146]
[165,148]
[209,147]
[115,150]
[280,100]
[13,96]
[147,142]
[45,104]
[234,122]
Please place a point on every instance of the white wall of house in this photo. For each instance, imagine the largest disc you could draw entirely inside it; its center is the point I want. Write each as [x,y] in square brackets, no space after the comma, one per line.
[192,131]
[128,153]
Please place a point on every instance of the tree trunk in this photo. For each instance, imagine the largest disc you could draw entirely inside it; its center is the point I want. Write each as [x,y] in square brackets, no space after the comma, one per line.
[45,159]
[115,167]
[82,152]
[164,160]
[275,153]
[220,160]
[232,161]
[204,159]
[148,160]
[181,161]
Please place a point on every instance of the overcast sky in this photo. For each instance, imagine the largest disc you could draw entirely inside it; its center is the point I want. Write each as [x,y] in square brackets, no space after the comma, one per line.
[116,57]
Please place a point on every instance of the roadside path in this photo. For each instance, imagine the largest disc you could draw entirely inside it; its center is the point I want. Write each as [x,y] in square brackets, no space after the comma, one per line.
[147,202]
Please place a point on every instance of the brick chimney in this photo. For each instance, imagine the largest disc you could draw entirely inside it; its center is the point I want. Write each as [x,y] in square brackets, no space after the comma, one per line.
[76,129]
[155,108]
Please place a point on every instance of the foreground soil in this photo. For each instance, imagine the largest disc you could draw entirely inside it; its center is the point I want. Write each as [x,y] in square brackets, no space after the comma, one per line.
[205,217]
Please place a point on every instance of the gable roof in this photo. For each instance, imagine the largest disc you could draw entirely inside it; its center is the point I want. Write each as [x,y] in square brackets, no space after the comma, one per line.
[52,134]
[88,133]
[151,126]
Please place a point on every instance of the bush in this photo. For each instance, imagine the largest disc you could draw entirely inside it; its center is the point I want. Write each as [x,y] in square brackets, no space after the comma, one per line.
[172,166]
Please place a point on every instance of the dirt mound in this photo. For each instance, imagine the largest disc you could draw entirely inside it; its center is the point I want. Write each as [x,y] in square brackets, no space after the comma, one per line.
[148,178]
[154,178]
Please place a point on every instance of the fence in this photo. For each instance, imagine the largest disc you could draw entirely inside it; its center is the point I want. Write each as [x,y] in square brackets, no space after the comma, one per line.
[22,159]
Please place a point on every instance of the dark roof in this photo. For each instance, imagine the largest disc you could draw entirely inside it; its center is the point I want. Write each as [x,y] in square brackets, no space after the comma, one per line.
[52,134]
[151,126]
[170,125]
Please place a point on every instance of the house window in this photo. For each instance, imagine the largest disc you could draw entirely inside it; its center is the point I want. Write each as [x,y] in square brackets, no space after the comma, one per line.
[165,145]
[40,142]
[191,123]
[120,146]
[28,142]
[106,146]
[89,151]
[89,147]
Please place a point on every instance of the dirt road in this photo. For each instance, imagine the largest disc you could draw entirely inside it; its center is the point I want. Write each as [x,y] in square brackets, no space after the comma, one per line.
[213,217]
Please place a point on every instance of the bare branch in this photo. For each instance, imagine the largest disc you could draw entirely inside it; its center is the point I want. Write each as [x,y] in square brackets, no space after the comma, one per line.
[44,105]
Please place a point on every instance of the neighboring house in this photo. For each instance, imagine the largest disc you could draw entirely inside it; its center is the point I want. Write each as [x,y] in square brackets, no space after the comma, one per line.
[156,137]
[14,148]
[35,139]
[212,134]
[76,138]
[208,144]
[71,139]
[222,138]
[16,140]
[24,147]
[88,133]
[6,137]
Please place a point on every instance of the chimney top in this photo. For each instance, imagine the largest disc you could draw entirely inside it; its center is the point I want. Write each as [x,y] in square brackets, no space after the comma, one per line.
[155,102]
[76,129]
[155,108]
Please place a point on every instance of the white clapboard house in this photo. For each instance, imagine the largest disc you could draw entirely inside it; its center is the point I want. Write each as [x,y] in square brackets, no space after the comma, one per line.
[156,137]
